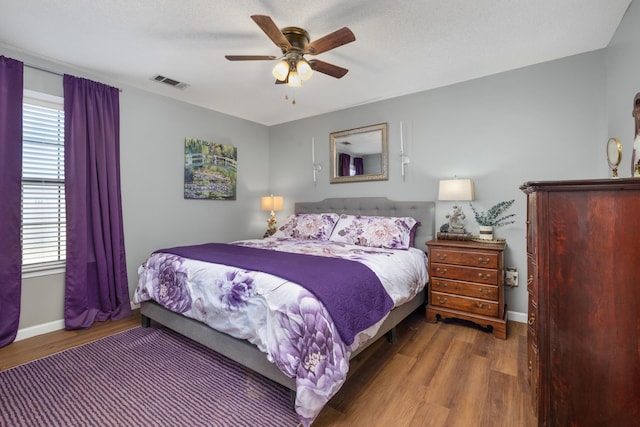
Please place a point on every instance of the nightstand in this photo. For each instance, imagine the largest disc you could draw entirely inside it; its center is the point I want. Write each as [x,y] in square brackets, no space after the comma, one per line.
[466,282]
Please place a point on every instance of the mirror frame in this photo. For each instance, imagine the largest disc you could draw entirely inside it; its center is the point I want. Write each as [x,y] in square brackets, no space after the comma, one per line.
[614,155]
[384,160]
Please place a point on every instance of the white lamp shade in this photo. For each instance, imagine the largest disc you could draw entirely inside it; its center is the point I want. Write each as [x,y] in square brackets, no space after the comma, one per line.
[294,79]
[456,189]
[304,69]
[272,203]
[281,70]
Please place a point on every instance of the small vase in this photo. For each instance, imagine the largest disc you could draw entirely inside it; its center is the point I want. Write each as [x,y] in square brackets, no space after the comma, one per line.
[486,232]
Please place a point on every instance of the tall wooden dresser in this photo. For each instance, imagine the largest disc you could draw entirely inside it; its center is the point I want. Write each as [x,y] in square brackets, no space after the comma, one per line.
[583,250]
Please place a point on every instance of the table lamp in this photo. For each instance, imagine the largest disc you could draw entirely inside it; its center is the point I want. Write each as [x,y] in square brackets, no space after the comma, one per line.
[455,190]
[271,203]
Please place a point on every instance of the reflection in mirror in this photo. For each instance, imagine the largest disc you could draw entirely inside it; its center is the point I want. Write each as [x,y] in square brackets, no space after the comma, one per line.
[360,154]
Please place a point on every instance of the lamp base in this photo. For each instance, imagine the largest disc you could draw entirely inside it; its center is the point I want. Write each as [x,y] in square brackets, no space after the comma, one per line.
[271,225]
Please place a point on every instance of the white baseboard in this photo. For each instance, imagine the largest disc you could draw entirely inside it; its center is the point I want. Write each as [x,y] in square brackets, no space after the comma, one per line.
[516,316]
[44,328]
[59,324]
[32,331]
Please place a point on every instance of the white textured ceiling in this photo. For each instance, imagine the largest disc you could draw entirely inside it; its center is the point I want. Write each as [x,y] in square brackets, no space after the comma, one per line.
[401,47]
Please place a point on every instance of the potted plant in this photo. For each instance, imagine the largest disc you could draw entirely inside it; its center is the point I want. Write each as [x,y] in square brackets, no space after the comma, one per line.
[492,218]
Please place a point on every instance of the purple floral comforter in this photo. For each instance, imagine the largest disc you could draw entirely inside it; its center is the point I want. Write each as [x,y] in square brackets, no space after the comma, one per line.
[283,319]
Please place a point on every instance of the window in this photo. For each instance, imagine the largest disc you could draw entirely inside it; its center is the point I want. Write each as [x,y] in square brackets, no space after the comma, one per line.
[43,230]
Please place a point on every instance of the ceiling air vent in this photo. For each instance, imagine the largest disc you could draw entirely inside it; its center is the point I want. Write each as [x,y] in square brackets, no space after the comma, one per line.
[169,81]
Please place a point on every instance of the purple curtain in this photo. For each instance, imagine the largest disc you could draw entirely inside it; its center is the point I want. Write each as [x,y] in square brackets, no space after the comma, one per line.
[344,161]
[11,82]
[358,164]
[96,275]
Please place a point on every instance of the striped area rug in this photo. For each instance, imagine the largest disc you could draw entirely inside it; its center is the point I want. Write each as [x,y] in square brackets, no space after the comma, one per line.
[141,377]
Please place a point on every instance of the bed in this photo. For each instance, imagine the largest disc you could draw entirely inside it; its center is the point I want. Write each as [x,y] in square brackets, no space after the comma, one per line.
[253,350]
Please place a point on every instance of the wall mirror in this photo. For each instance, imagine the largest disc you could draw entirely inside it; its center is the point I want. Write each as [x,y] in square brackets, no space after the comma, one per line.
[614,155]
[360,154]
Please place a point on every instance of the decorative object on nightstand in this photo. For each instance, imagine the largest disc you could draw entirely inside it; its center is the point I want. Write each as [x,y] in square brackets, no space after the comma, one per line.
[614,155]
[466,282]
[271,203]
[455,190]
[492,218]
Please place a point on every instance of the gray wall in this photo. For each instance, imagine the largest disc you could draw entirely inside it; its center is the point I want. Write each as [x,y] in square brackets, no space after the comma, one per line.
[623,82]
[155,213]
[542,122]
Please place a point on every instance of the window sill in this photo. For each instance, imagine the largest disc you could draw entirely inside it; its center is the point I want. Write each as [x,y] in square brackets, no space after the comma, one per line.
[42,270]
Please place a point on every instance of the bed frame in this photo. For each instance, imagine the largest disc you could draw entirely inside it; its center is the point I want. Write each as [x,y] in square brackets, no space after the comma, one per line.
[246,353]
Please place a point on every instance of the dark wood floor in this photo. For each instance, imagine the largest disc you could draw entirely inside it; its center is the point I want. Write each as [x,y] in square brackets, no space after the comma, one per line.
[434,375]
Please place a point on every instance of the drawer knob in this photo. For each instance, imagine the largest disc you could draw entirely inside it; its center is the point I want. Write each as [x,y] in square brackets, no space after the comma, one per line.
[441,270]
[484,260]
[530,366]
[442,300]
[484,276]
[440,284]
[486,291]
[532,319]
[441,257]
[483,306]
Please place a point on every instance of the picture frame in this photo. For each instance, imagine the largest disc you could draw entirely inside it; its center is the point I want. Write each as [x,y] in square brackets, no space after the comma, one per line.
[210,170]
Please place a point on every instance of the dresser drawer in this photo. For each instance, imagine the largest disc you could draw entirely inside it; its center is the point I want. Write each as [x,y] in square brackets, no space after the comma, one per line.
[471,305]
[532,317]
[533,356]
[473,259]
[468,274]
[465,288]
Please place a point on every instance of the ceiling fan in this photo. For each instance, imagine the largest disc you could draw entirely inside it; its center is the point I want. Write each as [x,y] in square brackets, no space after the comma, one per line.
[294,43]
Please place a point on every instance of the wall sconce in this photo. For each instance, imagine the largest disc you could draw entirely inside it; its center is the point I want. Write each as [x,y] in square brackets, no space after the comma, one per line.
[271,203]
[404,160]
[455,190]
[317,167]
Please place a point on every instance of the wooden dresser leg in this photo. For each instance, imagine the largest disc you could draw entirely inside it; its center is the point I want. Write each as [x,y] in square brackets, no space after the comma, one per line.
[431,316]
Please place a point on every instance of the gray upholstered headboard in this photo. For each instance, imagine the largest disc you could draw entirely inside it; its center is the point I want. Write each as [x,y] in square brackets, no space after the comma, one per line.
[381,206]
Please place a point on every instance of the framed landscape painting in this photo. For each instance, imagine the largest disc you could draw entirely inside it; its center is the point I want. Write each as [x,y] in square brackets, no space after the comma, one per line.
[210,170]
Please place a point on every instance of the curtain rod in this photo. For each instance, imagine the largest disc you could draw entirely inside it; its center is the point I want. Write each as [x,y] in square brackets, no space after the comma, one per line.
[47,70]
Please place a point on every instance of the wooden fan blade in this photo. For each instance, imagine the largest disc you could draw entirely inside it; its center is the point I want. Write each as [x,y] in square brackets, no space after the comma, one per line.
[330,41]
[250,57]
[272,31]
[328,69]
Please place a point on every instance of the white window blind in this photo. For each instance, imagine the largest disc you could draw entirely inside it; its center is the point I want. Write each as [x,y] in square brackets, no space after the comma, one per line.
[43,204]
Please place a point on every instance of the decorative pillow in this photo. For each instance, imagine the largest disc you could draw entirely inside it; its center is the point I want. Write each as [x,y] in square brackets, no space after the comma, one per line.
[374,231]
[308,226]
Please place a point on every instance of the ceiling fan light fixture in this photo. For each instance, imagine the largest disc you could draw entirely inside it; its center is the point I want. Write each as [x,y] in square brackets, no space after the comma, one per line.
[304,69]
[294,79]
[281,70]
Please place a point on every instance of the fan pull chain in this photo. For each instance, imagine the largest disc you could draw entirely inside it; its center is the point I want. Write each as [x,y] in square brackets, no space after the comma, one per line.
[286,98]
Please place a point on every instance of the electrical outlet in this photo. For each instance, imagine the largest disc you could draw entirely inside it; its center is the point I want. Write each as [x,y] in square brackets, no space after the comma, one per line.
[511,277]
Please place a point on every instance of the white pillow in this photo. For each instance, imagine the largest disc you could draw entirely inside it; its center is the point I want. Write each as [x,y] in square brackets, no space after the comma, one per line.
[375,231]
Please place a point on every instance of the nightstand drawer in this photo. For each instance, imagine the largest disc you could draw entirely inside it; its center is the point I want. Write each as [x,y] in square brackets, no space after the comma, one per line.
[465,288]
[472,305]
[473,259]
[468,274]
